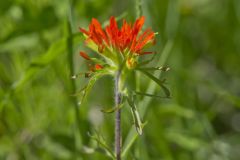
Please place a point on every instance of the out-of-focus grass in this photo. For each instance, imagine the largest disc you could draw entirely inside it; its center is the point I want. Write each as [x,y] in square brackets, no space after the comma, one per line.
[199,40]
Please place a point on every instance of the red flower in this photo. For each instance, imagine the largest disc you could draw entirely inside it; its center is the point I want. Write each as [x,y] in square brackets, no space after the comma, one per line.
[124,39]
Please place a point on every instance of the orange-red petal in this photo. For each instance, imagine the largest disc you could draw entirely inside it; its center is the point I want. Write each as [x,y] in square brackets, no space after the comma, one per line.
[146,37]
[98,66]
[99,31]
[84,55]
[84,31]
[121,39]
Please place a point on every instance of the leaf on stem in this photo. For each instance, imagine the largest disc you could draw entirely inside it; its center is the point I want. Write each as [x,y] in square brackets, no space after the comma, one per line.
[111,110]
[159,82]
[91,82]
[164,69]
[135,114]
[147,61]
[103,144]
[148,95]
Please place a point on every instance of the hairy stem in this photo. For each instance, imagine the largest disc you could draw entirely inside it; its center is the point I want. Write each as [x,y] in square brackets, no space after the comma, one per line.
[118,117]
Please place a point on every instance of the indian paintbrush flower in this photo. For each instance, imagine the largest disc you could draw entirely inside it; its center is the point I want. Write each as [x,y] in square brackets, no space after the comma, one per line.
[119,44]
[120,49]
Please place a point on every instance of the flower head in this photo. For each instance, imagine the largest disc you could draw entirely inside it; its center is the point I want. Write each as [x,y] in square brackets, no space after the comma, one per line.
[121,48]
[113,43]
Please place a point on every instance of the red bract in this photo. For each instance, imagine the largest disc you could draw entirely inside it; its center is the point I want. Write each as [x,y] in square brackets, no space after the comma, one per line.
[84,55]
[124,40]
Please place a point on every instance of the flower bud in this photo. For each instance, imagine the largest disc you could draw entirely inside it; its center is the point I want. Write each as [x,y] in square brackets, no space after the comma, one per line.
[131,63]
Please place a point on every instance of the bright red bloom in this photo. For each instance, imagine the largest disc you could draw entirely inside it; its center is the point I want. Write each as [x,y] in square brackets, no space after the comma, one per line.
[124,39]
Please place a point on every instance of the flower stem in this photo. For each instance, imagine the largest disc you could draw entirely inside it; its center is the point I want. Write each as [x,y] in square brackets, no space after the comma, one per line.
[118,117]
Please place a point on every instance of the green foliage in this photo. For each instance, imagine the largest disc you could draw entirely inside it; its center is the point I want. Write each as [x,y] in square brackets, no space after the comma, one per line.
[40,120]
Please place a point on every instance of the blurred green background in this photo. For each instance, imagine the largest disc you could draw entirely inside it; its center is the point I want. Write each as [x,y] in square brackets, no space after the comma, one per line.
[39,46]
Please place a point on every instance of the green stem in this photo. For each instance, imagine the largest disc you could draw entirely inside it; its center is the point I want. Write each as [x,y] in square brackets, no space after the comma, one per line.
[71,66]
[73,87]
[118,117]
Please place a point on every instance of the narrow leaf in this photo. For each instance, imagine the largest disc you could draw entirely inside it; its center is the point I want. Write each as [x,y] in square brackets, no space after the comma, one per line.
[111,110]
[147,61]
[164,69]
[103,144]
[135,114]
[91,82]
[149,95]
[159,82]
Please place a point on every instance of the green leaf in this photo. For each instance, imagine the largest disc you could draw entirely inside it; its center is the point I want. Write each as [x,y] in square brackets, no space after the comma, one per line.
[137,120]
[147,61]
[111,110]
[103,143]
[135,114]
[91,82]
[97,61]
[164,69]
[159,82]
[149,95]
